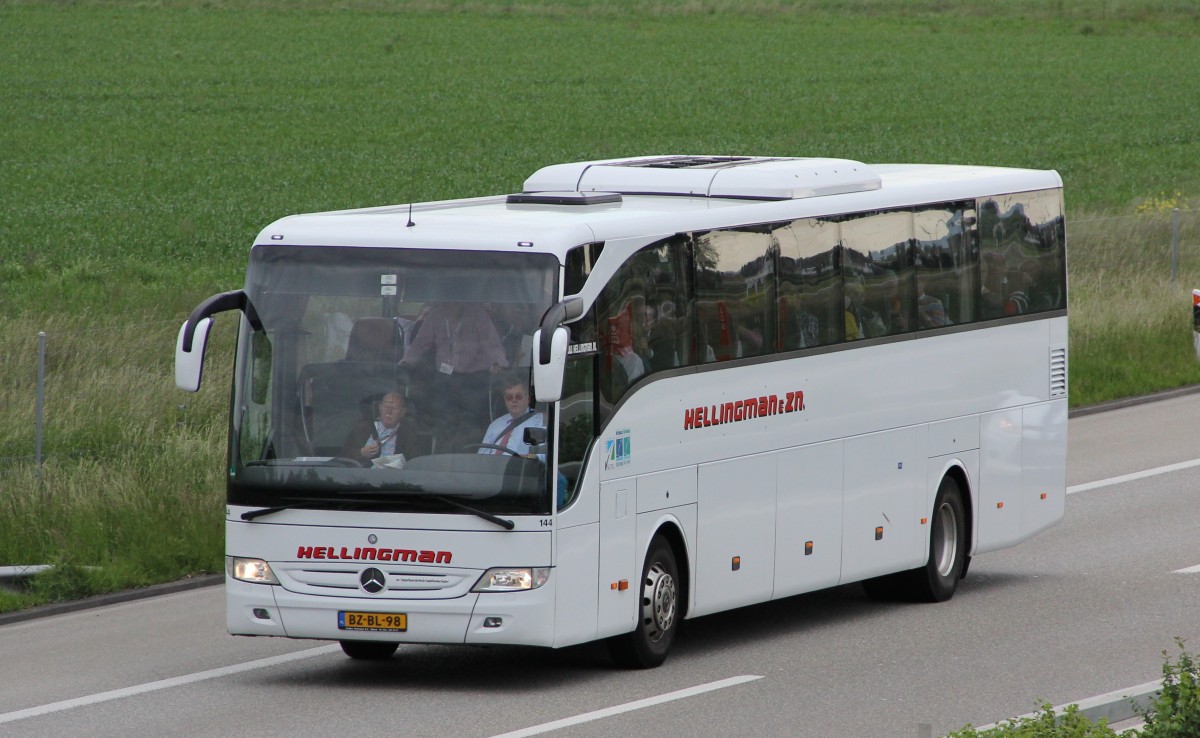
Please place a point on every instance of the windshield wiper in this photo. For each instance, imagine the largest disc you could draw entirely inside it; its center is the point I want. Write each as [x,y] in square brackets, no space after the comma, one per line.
[252,514]
[320,503]
[503,523]
[317,503]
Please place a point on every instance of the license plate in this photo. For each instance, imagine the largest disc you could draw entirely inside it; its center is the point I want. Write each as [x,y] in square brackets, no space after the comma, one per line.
[382,621]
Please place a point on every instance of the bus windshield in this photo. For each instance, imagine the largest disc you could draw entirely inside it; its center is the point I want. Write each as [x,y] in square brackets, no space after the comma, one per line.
[391,379]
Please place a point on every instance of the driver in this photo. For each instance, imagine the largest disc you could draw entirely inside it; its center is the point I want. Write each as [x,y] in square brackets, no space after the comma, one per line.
[508,430]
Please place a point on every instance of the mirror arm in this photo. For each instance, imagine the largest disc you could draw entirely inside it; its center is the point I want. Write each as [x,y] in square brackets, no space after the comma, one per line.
[569,309]
[234,300]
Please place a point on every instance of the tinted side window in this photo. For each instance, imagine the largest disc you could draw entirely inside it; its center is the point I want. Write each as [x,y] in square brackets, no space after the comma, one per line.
[811,307]
[577,412]
[579,265]
[643,323]
[878,274]
[1023,269]
[946,257]
[735,294]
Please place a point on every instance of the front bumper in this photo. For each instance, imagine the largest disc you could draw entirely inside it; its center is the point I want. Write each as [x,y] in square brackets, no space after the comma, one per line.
[525,618]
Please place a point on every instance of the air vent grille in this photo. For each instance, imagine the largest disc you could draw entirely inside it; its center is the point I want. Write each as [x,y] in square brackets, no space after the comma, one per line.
[1058,371]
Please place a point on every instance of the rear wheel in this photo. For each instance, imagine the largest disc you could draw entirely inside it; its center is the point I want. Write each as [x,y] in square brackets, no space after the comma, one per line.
[938,579]
[658,612]
[369,650]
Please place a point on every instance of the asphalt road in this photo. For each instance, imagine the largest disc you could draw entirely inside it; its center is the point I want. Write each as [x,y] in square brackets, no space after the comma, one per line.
[1086,608]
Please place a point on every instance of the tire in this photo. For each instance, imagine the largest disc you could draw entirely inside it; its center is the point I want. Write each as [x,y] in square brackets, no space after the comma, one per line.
[369,650]
[938,579]
[658,612]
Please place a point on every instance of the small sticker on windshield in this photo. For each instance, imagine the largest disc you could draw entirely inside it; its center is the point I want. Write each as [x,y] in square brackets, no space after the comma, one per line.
[387,279]
[387,290]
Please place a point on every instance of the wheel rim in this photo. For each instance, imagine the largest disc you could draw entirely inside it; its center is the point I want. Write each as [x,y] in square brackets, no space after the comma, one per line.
[658,602]
[947,553]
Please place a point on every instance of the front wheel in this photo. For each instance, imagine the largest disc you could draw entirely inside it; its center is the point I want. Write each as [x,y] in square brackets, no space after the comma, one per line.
[369,650]
[658,612]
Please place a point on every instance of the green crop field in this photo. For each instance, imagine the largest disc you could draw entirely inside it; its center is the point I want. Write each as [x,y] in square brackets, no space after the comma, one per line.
[144,144]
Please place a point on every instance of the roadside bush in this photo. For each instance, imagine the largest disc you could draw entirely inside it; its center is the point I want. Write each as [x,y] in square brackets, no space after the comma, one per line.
[1045,724]
[1174,714]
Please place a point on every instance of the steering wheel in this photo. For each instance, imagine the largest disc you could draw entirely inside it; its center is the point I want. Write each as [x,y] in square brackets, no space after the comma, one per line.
[494,446]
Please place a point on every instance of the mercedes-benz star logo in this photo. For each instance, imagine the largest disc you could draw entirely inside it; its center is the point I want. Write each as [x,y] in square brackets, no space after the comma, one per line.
[371,580]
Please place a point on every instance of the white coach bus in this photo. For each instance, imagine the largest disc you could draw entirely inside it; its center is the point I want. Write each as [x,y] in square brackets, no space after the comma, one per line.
[751,378]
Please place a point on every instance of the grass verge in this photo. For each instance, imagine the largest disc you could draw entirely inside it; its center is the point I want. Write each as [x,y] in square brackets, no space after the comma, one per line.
[144,144]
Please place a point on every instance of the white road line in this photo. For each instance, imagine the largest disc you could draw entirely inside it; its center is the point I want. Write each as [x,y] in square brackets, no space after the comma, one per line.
[1188,570]
[1131,477]
[630,706]
[199,676]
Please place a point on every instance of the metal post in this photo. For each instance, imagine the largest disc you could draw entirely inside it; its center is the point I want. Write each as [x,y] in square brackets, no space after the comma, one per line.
[1174,245]
[41,398]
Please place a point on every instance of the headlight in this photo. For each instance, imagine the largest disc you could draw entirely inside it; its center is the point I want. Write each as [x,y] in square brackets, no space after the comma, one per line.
[511,580]
[255,571]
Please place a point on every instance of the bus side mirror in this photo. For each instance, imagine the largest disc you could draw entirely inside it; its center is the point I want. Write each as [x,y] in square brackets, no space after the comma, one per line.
[189,363]
[549,366]
[550,349]
[193,336]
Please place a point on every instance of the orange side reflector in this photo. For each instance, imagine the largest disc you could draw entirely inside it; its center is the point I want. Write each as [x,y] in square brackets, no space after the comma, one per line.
[623,585]
[808,548]
[737,563]
[924,521]
[999,505]
[612,586]
[1044,495]
[879,533]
